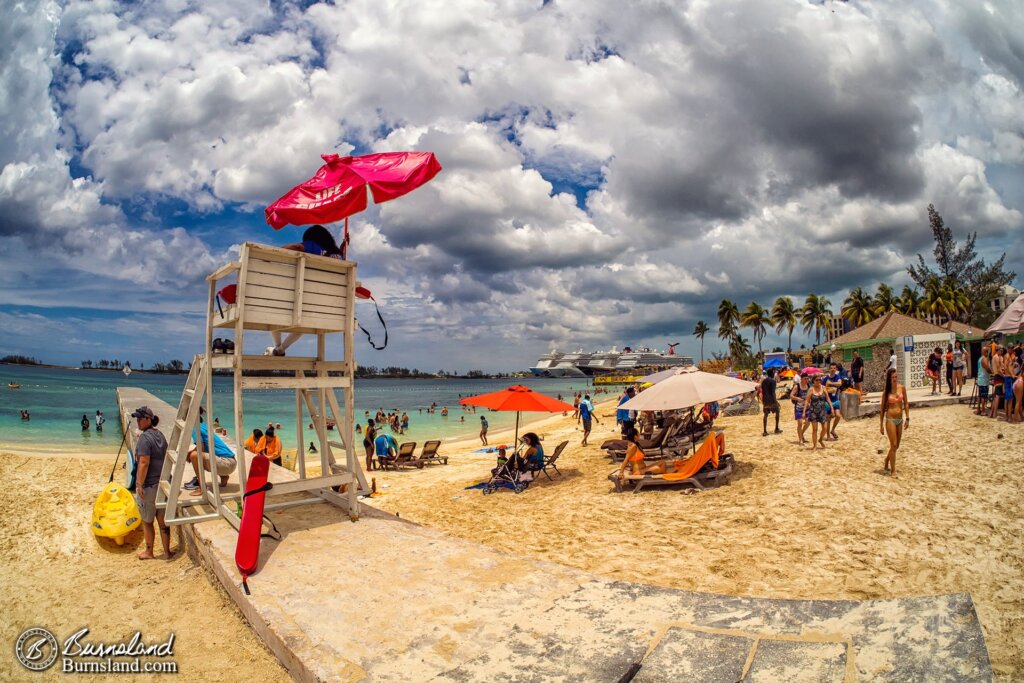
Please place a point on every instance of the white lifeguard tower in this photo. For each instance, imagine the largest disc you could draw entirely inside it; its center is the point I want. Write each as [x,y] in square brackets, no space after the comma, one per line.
[278,290]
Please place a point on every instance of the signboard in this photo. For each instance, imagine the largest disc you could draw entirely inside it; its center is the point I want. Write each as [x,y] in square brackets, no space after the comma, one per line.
[908,343]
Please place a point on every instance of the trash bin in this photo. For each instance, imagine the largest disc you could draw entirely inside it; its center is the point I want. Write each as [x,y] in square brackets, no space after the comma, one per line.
[849,404]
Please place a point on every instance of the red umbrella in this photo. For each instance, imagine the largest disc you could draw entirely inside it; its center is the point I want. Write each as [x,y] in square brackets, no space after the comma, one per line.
[519,399]
[339,188]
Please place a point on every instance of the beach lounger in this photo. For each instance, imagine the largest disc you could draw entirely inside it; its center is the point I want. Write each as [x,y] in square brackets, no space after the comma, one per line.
[709,465]
[549,461]
[406,451]
[666,444]
[747,405]
[429,455]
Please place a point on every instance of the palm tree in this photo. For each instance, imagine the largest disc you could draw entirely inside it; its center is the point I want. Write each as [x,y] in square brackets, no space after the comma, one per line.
[783,316]
[858,307]
[943,299]
[815,314]
[909,302]
[699,331]
[738,347]
[885,300]
[728,317]
[756,318]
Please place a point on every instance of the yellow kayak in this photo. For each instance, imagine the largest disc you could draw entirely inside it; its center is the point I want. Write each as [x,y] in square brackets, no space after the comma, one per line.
[115,513]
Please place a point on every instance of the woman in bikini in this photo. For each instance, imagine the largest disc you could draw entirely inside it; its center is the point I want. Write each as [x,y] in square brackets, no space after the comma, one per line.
[895,416]
[634,459]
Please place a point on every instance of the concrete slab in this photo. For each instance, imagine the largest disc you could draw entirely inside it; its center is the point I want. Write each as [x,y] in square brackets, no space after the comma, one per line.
[383,599]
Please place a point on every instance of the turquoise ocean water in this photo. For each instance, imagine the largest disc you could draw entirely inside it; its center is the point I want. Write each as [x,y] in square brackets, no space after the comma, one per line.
[57,399]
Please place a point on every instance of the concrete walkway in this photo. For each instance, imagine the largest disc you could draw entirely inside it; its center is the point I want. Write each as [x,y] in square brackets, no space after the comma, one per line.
[387,600]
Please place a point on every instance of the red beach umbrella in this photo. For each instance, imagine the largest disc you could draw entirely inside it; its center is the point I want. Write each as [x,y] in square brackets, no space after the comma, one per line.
[339,188]
[520,399]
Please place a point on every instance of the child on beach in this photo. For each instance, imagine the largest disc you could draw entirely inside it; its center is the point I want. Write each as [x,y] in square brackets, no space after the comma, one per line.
[483,430]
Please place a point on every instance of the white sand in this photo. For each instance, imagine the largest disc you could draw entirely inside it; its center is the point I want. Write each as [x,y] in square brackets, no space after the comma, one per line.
[792,524]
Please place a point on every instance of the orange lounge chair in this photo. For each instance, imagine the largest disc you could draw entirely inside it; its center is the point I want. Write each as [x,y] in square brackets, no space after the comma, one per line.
[689,471]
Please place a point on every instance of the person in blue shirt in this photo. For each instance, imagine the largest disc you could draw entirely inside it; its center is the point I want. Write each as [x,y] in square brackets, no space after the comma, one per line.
[626,418]
[586,412]
[222,455]
[385,447]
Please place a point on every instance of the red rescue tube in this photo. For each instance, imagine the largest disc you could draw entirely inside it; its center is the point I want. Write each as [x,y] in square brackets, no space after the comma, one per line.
[247,552]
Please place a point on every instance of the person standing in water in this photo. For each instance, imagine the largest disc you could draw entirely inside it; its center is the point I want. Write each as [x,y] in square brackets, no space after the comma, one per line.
[99,421]
[895,417]
[85,423]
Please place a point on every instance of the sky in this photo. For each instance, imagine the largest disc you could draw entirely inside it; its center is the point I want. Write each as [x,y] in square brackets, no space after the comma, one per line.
[608,176]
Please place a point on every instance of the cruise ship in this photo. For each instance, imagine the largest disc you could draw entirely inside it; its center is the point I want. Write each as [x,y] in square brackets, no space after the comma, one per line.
[596,363]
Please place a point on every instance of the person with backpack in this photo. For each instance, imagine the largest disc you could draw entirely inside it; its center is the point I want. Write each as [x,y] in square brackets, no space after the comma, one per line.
[586,412]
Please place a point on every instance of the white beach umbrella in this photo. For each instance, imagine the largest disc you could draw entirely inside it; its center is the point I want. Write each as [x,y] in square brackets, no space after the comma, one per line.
[657,376]
[1011,321]
[686,388]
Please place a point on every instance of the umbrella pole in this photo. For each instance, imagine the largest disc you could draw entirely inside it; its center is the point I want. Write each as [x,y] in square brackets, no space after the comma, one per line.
[515,444]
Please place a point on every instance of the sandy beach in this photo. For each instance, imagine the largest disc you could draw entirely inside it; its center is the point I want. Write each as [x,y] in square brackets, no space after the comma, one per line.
[791,524]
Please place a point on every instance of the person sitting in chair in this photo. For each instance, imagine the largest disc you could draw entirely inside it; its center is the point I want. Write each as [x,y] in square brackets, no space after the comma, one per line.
[533,456]
[634,455]
[316,240]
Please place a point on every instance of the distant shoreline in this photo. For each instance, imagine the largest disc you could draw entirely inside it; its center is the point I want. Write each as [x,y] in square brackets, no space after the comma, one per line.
[185,372]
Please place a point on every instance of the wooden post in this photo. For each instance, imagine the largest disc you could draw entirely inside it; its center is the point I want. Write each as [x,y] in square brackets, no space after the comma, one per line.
[243,466]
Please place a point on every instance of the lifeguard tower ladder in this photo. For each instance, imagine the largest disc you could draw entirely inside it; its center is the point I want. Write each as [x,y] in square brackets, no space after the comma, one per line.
[278,290]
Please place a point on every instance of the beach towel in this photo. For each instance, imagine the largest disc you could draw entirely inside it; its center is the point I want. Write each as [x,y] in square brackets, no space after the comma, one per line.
[708,451]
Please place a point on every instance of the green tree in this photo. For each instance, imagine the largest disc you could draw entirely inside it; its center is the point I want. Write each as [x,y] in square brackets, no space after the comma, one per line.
[783,317]
[699,331]
[885,300]
[815,314]
[728,318]
[910,301]
[755,316]
[738,347]
[858,307]
[960,267]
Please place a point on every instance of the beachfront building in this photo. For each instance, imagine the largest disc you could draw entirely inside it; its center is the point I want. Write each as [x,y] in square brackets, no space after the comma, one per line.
[1006,296]
[874,339]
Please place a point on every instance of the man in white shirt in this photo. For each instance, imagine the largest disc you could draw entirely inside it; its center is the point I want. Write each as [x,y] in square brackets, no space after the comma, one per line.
[892,360]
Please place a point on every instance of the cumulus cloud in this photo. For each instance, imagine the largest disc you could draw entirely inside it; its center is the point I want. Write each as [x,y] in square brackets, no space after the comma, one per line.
[607,177]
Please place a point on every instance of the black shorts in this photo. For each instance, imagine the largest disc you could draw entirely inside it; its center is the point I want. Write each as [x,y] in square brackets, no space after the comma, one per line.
[587,423]
[771,408]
